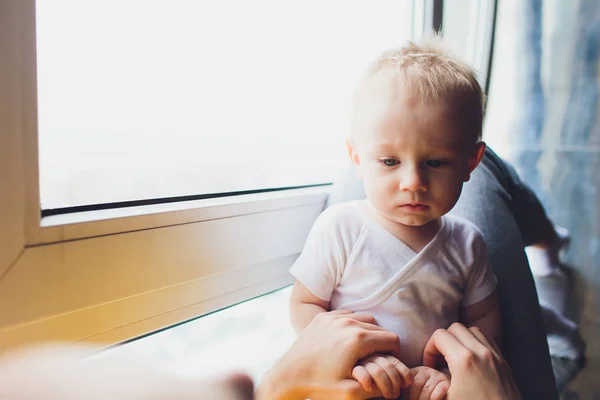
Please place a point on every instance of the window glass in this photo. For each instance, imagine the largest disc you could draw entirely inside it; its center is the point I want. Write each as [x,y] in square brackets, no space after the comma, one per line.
[141,99]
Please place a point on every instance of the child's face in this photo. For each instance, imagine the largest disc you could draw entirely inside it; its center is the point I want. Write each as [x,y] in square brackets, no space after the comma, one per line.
[413,158]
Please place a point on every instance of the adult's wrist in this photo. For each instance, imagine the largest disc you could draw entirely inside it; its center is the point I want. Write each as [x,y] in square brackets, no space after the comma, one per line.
[278,385]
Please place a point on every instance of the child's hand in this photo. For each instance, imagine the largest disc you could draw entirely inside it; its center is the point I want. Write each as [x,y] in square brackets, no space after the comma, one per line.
[428,384]
[386,372]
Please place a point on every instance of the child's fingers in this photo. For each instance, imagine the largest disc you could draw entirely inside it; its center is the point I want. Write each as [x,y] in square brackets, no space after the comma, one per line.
[440,391]
[403,370]
[414,392]
[360,374]
[429,385]
[385,376]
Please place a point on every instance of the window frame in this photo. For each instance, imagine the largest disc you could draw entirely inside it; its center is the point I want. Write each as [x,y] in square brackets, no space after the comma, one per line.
[479,40]
[41,259]
[481,45]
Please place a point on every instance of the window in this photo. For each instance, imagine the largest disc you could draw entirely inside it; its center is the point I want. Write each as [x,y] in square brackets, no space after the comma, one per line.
[152,99]
[122,105]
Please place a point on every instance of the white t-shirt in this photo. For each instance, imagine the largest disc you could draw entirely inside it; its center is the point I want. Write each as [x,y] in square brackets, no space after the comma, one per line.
[354,263]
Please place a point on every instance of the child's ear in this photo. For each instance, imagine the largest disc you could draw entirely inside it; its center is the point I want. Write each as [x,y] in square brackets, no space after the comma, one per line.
[354,158]
[474,159]
[352,153]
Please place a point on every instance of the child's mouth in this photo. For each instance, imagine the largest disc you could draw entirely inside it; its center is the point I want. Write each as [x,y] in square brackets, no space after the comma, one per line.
[415,207]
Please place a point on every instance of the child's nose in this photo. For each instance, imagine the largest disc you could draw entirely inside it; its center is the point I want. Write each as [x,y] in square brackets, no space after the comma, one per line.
[413,180]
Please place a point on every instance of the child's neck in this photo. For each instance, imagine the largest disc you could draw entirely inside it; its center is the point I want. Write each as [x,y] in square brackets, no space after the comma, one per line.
[415,237]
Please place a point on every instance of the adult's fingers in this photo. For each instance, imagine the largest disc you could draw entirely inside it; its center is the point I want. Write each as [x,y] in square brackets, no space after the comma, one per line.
[376,341]
[363,317]
[357,323]
[367,320]
[442,344]
[340,312]
[478,333]
[466,337]
[458,340]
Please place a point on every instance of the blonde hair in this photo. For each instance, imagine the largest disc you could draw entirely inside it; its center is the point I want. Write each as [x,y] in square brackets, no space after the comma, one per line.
[428,72]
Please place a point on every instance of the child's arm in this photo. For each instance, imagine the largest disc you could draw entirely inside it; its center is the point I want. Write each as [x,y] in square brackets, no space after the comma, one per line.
[485,315]
[304,306]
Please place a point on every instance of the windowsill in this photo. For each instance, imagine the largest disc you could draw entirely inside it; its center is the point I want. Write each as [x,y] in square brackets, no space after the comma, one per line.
[247,337]
[59,228]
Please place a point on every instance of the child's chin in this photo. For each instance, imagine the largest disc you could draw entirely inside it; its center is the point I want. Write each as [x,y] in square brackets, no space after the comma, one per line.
[413,221]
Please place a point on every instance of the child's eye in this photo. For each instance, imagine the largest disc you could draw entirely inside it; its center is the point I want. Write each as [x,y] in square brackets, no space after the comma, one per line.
[389,162]
[434,163]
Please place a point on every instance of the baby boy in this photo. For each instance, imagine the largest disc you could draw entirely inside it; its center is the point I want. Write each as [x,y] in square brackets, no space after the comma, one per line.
[415,139]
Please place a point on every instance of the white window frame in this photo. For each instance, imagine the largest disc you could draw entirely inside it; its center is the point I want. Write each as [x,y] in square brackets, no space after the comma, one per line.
[481,34]
[108,276]
[423,15]
[478,40]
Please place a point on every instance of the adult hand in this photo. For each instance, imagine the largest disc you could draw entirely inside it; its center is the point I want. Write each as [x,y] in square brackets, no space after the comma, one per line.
[63,372]
[477,368]
[319,364]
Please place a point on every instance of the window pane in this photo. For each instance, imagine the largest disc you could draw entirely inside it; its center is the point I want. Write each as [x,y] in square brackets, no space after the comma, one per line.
[247,337]
[146,99]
